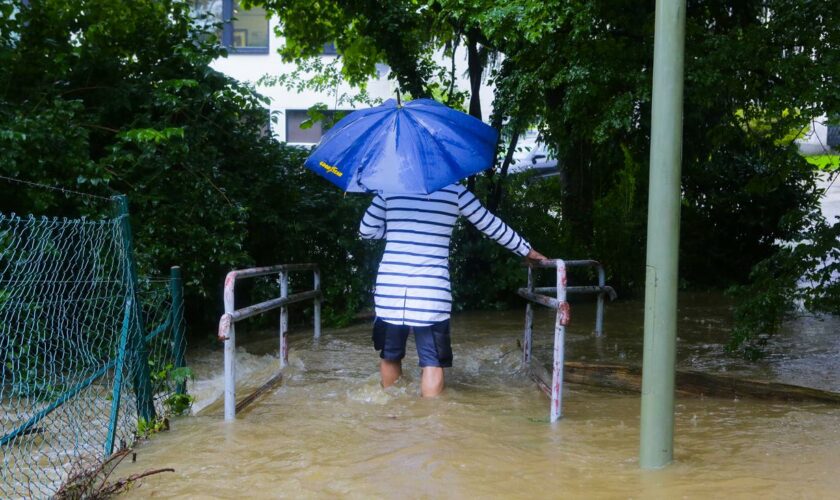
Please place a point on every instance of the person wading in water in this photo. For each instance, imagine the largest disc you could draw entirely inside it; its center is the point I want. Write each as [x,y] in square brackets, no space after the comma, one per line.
[412,286]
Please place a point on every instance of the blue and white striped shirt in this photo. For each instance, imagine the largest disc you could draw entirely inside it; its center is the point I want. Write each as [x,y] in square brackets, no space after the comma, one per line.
[412,287]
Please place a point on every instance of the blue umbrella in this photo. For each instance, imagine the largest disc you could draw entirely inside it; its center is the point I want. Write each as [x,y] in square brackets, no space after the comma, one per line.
[416,148]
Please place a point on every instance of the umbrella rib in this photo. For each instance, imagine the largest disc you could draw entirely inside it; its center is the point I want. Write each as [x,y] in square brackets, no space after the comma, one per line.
[336,129]
[453,125]
[364,154]
[435,140]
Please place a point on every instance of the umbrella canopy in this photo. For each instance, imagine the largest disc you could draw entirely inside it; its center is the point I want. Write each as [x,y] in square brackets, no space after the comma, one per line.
[416,148]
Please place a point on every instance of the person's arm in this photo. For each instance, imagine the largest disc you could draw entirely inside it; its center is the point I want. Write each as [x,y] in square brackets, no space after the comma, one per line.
[372,226]
[494,227]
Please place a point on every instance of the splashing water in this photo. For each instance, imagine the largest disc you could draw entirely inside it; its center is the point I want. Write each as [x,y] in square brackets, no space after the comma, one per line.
[330,430]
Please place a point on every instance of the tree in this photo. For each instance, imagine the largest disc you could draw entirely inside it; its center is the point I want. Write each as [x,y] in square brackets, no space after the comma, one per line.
[581,73]
[117,96]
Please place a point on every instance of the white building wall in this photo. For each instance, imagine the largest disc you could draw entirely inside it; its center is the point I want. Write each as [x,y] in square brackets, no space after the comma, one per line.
[816,139]
[251,67]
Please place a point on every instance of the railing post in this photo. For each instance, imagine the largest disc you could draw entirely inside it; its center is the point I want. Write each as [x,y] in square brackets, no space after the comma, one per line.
[179,345]
[230,350]
[137,345]
[284,320]
[529,323]
[230,373]
[227,329]
[317,308]
[559,340]
[599,310]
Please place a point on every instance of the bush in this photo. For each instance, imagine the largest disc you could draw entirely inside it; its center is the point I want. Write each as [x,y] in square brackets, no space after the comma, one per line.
[118,96]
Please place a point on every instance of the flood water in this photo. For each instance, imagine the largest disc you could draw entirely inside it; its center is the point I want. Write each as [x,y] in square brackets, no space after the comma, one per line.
[330,430]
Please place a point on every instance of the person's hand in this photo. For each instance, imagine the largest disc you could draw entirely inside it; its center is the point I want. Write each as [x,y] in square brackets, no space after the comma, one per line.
[534,256]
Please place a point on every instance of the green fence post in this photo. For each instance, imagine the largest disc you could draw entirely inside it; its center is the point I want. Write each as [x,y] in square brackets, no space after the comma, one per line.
[116,392]
[142,380]
[178,345]
[663,237]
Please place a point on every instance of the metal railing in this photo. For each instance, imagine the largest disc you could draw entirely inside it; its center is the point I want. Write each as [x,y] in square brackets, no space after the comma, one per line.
[227,331]
[563,317]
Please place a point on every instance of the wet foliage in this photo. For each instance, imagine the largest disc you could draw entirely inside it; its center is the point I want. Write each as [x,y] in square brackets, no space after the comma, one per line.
[756,73]
[108,96]
[117,96]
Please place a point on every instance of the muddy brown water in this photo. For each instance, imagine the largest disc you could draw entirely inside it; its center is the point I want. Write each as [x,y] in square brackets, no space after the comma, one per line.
[330,431]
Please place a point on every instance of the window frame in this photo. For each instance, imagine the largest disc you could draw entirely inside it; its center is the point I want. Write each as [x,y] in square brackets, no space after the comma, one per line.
[286,115]
[227,33]
[305,111]
[329,49]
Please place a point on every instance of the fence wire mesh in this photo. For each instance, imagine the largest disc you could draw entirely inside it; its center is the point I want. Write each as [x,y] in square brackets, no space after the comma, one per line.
[78,360]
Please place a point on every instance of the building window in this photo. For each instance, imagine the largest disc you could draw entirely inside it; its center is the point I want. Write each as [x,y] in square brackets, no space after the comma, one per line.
[313,134]
[244,31]
[249,28]
[833,136]
[294,132]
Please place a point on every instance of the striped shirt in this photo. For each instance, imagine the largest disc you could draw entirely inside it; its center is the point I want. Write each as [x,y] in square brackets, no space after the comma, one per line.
[412,287]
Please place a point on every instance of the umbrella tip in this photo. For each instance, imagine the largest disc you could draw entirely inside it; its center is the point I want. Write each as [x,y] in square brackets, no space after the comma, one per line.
[399,101]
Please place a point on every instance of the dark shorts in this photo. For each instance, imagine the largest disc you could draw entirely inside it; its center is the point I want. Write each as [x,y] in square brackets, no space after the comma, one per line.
[434,347]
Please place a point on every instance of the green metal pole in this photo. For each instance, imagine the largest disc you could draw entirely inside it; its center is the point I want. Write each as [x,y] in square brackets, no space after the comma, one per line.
[116,393]
[142,380]
[178,343]
[663,237]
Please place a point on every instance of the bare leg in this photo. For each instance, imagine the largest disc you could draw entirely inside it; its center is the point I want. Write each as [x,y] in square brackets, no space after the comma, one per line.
[390,371]
[431,383]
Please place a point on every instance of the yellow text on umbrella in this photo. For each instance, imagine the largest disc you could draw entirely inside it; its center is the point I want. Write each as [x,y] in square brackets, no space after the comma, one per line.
[331,169]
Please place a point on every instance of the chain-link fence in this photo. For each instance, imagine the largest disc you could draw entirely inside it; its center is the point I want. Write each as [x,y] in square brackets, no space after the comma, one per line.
[90,356]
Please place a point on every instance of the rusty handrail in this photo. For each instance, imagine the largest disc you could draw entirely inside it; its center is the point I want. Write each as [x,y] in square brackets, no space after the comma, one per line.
[227,332]
[562,317]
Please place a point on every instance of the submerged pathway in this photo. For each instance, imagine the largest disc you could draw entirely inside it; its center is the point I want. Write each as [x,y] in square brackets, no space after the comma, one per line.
[329,430]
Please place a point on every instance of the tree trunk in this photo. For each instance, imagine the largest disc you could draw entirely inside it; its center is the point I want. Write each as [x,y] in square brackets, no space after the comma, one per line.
[578,200]
[497,188]
[475,68]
